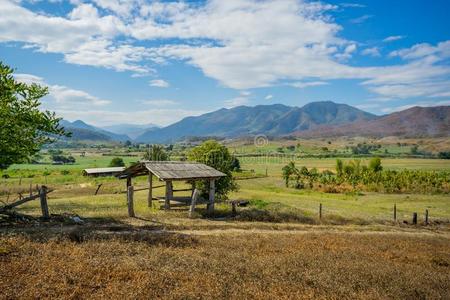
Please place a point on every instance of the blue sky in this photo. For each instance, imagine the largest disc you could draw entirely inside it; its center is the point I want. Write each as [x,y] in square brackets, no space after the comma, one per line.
[137,61]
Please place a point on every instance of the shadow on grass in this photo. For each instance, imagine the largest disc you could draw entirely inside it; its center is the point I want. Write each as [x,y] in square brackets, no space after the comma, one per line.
[67,228]
[275,212]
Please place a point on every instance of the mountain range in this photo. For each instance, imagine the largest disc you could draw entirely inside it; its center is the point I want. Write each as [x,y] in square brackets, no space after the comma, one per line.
[316,119]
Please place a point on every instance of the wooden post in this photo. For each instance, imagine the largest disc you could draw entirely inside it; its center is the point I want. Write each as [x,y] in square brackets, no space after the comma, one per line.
[414,220]
[193,202]
[233,208]
[212,191]
[43,198]
[395,212]
[31,188]
[426,216]
[130,203]
[266,172]
[320,211]
[150,189]
[98,188]
[169,194]
[128,182]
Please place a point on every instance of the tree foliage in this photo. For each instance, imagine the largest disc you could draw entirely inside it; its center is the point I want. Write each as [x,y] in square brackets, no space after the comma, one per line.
[117,162]
[156,153]
[24,128]
[215,155]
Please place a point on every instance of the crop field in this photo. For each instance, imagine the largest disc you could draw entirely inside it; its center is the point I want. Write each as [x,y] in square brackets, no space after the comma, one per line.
[275,247]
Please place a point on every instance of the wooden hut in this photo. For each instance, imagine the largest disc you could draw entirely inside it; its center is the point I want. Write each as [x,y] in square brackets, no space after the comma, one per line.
[97,172]
[170,171]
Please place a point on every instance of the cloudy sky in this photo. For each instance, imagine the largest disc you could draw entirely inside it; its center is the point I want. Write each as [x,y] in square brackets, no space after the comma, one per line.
[142,61]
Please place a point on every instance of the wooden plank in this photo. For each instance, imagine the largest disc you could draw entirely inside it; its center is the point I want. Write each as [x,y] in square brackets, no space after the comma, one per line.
[193,202]
[150,189]
[212,191]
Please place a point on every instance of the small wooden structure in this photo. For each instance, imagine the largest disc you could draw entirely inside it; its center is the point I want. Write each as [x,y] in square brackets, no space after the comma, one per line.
[97,172]
[170,171]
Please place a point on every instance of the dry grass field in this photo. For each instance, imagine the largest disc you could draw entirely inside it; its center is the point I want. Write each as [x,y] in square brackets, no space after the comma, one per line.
[122,262]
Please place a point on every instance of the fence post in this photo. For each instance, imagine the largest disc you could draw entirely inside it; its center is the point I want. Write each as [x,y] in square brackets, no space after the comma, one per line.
[320,211]
[395,212]
[414,220]
[426,216]
[130,201]
[43,198]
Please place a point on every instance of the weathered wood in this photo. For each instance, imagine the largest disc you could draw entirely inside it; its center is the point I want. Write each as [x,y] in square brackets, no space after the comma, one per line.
[193,202]
[320,211]
[426,216]
[212,191]
[233,208]
[130,202]
[128,182]
[150,189]
[23,200]
[98,188]
[414,220]
[169,194]
[31,188]
[43,198]
[182,190]
[395,212]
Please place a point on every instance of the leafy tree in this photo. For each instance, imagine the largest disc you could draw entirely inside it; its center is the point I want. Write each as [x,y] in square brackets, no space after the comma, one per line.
[215,155]
[156,153]
[117,162]
[235,164]
[24,128]
[444,155]
[375,164]
[288,171]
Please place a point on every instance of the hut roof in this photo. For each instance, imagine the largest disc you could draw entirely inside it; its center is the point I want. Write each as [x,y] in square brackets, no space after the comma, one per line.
[172,170]
[104,170]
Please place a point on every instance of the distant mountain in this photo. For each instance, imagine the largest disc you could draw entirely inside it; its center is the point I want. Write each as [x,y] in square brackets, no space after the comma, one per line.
[131,130]
[82,131]
[274,119]
[412,122]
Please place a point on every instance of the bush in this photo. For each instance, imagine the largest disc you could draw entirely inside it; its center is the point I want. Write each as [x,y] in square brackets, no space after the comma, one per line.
[117,162]
[156,153]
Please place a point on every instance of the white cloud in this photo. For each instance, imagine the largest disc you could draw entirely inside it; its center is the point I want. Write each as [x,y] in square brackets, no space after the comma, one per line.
[373,51]
[61,96]
[393,38]
[361,19]
[306,84]
[160,102]
[352,5]
[243,44]
[442,50]
[268,97]
[159,83]
[237,101]
[159,116]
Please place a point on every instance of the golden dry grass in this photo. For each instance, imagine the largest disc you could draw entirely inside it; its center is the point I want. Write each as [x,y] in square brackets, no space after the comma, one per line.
[153,264]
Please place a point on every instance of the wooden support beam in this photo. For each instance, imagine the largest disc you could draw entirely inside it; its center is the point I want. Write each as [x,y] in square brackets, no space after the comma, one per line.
[43,198]
[195,195]
[212,191]
[169,194]
[130,203]
[150,189]
[128,182]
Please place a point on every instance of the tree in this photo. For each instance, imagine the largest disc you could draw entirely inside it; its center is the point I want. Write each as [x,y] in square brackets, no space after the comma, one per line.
[288,170]
[117,162]
[375,164]
[156,153]
[24,128]
[215,155]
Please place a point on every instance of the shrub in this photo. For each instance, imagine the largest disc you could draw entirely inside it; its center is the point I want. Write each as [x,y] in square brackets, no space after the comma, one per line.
[117,162]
